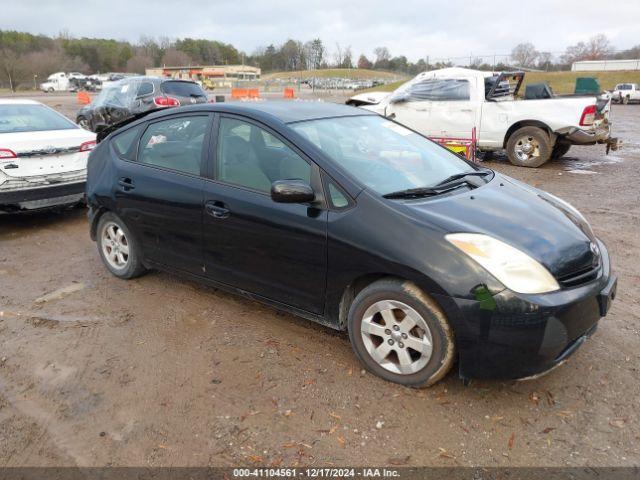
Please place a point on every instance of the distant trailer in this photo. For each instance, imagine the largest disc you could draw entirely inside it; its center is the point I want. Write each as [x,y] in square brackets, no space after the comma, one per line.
[605,65]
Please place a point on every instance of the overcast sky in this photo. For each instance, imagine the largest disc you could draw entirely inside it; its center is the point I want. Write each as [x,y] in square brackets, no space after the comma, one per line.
[444,28]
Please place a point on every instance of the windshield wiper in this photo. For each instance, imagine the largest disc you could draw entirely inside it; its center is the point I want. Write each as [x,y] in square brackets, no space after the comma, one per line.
[459,176]
[415,192]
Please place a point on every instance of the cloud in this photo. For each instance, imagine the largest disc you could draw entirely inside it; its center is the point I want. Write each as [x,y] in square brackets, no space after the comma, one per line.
[452,28]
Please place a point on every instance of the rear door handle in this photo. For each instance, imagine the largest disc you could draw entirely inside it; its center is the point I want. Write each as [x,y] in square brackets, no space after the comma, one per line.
[126,184]
[217,210]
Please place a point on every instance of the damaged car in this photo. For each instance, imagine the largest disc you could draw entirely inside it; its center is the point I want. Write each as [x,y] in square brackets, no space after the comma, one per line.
[461,104]
[351,220]
[43,157]
[131,96]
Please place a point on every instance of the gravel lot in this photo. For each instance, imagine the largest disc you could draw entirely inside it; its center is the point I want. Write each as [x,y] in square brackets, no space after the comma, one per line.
[160,371]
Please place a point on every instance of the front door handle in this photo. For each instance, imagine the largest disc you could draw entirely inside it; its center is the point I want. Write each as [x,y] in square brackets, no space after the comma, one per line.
[126,184]
[217,210]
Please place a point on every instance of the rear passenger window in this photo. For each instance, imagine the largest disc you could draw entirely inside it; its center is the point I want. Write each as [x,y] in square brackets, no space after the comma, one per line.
[145,88]
[123,143]
[175,144]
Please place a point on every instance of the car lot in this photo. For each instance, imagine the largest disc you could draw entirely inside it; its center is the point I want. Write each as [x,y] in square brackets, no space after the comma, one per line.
[162,371]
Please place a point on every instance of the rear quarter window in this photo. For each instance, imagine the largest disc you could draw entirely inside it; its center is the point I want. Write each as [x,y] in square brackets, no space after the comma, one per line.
[183,89]
[124,143]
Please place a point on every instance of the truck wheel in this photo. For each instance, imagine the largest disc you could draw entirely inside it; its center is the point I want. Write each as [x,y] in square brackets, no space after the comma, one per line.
[529,147]
[400,334]
[560,149]
[50,90]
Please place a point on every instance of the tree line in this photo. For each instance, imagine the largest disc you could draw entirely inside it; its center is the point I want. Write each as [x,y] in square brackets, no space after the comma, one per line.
[27,59]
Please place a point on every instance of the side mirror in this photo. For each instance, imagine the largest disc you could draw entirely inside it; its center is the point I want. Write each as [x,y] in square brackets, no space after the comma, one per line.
[292,191]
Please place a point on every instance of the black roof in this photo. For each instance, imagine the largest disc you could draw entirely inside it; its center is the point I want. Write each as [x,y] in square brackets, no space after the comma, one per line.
[297,111]
[283,111]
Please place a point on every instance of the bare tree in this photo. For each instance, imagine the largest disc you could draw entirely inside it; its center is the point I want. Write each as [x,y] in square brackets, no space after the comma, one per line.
[11,65]
[544,60]
[596,48]
[347,58]
[524,55]
[175,58]
[139,63]
[382,57]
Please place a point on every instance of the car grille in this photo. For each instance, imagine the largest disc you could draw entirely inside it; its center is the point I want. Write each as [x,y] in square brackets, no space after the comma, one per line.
[579,277]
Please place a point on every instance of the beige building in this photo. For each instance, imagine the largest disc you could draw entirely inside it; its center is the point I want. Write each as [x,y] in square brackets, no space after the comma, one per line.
[210,76]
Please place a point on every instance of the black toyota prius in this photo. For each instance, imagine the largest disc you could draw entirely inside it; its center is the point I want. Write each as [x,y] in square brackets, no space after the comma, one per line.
[356,222]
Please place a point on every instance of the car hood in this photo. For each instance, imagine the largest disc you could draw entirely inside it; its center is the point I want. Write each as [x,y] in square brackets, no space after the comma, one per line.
[520,215]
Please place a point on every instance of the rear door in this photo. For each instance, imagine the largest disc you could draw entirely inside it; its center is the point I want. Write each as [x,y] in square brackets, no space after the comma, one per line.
[159,191]
[275,250]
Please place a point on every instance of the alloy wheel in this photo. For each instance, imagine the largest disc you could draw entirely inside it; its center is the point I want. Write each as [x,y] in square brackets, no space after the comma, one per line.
[115,245]
[396,337]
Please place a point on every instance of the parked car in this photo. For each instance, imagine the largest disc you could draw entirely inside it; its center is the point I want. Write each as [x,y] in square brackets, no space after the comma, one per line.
[626,92]
[354,221]
[133,95]
[56,82]
[450,103]
[43,157]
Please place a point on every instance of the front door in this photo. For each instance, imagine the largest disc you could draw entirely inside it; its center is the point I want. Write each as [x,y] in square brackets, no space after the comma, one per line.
[275,250]
[159,195]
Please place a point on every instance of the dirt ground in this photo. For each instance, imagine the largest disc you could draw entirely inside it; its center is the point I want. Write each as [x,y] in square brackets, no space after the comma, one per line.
[160,371]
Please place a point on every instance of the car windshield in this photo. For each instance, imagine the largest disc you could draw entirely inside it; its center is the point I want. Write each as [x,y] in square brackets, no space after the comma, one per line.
[183,89]
[384,156]
[31,118]
[624,86]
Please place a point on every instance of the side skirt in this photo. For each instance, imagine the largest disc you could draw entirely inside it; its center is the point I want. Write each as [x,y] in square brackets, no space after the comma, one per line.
[243,293]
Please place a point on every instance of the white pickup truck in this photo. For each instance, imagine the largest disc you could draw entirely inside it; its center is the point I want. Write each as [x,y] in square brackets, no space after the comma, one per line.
[626,92]
[459,103]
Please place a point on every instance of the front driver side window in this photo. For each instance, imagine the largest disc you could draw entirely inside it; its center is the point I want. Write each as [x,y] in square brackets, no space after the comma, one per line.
[175,144]
[251,157]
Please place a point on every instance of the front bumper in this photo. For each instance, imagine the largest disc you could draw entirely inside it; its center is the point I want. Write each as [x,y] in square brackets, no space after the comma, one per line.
[41,197]
[511,336]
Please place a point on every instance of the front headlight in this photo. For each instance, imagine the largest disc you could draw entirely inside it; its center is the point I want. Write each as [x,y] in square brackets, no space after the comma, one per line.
[513,268]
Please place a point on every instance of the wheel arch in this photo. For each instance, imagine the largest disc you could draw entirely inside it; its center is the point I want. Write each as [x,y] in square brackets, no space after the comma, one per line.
[94,220]
[527,123]
[363,281]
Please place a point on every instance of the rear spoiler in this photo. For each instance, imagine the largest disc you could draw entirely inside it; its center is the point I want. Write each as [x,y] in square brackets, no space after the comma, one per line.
[105,132]
[506,84]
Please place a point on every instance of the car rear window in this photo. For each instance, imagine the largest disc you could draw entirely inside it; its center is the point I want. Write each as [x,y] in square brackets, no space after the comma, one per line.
[31,118]
[183,89]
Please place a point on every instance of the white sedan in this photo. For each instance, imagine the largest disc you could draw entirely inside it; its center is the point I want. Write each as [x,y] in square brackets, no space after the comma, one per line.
[43,157]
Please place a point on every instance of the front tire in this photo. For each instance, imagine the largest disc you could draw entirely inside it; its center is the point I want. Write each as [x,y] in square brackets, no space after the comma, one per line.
[400,334]
[529,147]
[119,250]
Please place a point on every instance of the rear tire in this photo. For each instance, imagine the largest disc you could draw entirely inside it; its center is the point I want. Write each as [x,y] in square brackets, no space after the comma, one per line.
[119,250]
[400,334]
[560,149]
[529,147]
